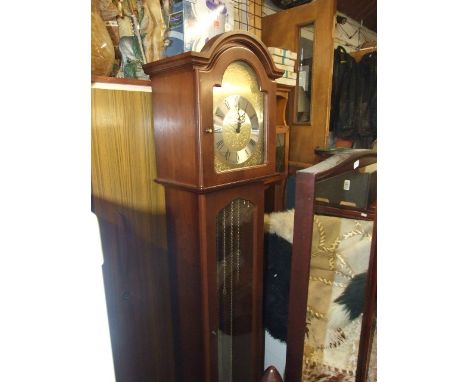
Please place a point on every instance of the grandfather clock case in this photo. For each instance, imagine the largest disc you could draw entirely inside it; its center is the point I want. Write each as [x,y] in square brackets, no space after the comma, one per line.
[214,126]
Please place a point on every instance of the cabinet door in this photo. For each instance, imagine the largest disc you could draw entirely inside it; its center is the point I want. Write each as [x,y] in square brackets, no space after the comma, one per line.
[308,30]
[234,273]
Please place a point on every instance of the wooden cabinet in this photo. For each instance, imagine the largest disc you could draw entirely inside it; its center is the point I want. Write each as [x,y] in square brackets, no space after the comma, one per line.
[275,186]
[282,128]
[130,208]
[283,29]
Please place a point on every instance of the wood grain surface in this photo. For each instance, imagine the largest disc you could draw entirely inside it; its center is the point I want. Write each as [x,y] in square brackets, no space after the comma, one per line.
[122,81]
[182,99]
[130,208]
[282,30]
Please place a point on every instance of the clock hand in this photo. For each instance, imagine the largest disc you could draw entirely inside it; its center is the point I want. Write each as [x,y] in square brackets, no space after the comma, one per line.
[238,128]
[240,119]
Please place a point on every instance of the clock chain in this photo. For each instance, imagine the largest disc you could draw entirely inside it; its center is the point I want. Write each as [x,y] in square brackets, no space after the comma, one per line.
[238,240]
[224,252]
[232,292]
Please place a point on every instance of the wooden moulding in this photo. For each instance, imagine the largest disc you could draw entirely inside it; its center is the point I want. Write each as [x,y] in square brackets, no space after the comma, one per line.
[121,81]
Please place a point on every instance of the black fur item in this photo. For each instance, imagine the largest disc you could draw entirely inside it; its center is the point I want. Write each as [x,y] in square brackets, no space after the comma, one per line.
[277,271]
[353,296]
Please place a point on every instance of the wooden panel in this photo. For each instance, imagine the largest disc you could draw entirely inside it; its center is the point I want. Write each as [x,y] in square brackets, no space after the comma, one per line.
[274,189]
[183,214]
[176,125]
[131,211]
[282,30]
[122,157]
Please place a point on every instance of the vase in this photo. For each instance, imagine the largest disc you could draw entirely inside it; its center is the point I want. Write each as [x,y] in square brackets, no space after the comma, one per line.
[102,49]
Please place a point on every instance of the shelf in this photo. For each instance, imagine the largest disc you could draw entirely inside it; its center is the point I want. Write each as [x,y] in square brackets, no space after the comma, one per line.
[121,81]
[346,211]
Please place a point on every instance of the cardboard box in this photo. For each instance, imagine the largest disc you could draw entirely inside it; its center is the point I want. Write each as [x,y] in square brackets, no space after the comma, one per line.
[289,68]
[282,60]
[289,74]
[286,81]
[192,23]
[283,52]
[353,188]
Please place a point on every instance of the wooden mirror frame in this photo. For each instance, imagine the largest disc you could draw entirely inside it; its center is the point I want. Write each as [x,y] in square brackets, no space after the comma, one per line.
[305,208]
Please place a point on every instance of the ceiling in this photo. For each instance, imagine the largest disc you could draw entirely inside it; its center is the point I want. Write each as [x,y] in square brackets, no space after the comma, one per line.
[365,10]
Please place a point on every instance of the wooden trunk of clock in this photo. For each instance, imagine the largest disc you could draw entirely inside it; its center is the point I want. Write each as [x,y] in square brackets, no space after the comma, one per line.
[214,123]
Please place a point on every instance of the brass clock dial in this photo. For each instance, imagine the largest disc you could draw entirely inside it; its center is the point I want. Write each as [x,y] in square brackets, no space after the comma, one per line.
[238,119]
[236,129]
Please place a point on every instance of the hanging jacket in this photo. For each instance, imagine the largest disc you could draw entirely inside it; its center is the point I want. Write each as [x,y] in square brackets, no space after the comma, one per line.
[365,116]
[344,94]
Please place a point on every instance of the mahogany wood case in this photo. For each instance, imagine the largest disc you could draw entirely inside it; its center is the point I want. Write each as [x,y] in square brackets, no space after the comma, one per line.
[182,88]
[183,110]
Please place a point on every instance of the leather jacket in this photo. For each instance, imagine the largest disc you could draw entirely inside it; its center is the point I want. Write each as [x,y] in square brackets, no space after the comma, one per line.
[365,117]
[344,94]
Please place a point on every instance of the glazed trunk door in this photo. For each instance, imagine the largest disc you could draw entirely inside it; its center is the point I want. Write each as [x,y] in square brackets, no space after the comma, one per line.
[308,30]
[234,278]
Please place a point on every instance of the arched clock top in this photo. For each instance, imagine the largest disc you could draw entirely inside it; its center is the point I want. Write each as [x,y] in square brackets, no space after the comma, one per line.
[222,42]
[210,53]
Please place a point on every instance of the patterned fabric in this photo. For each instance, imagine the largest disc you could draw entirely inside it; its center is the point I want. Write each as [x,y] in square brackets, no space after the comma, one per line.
[321,373]
[338,270]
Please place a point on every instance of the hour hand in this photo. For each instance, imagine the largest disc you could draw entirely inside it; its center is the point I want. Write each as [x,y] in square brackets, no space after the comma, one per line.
[238,126]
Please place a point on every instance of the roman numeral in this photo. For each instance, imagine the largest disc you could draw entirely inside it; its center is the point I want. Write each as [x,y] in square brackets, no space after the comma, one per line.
[227,104]
[243,103]
[250,110]
[227,155]
[254,122]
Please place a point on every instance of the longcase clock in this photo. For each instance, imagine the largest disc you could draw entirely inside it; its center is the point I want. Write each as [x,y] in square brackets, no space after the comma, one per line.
[214,127]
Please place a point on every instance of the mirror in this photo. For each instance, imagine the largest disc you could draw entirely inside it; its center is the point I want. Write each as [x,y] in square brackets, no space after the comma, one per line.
[304,74]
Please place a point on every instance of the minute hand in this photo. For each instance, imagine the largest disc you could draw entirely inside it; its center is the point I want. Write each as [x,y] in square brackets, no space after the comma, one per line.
[240,120]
